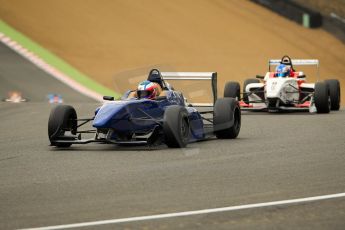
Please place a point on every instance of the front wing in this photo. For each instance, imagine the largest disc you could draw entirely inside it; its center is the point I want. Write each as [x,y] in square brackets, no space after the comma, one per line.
[305,107]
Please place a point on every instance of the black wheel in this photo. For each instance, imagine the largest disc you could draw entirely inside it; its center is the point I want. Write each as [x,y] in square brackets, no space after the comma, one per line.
[62,118]
[334,92]
[322,98]
[176,127]
[226,118]
[246,82]
[232,89]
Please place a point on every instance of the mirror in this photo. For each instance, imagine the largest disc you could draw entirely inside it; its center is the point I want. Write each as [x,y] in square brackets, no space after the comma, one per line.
[160,98]
[260,76]
[108,98]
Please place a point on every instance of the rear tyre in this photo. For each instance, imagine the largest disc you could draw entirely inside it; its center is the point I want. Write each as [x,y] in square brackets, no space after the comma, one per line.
[62,118]
[247,82]
[232,89]
[226,118]
[176,127]
[322,98]
[334,92]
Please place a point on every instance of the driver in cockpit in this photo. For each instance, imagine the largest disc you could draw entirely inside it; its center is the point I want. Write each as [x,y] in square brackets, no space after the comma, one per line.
[285,68]
[151,88]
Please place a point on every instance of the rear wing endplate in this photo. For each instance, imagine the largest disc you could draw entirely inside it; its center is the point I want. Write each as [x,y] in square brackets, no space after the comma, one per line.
[211,76]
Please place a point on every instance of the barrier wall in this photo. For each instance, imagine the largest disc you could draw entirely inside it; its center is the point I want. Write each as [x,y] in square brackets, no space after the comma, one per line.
[304,16]
[335,25]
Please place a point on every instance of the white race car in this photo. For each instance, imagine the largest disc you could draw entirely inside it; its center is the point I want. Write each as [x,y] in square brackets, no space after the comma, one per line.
[272,93]
[15,97]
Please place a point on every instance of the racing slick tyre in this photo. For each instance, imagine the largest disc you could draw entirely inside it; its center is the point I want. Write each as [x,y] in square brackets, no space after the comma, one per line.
[226,118]
[232,89]
[246,82]
[176,126]
[62,118]
[334,92]
[322,98]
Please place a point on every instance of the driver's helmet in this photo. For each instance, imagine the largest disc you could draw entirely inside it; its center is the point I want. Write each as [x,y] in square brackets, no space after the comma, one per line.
[147,89]
[283,70]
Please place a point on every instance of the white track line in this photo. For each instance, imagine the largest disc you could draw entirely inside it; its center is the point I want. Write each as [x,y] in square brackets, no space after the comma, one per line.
[40,63]
[190,213]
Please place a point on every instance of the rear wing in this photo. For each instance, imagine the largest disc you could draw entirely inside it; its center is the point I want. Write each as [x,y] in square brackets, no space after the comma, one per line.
[210,76]
[274,62]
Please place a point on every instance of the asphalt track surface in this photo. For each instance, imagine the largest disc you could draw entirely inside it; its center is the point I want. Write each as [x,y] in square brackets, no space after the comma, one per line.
[276,157]
[17,74]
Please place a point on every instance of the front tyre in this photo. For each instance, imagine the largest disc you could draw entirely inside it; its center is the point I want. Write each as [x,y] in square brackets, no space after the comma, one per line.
[322,98]
[176,126]
[227,118]
[62,118]
[232,89]
[334,92]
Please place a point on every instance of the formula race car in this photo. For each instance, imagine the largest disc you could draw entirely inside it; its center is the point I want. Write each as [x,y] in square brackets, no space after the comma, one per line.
[168,119]
[15,97]
[54,98]
[277,93]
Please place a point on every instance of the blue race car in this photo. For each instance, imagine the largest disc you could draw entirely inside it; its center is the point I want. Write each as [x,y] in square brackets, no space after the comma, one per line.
[168,119]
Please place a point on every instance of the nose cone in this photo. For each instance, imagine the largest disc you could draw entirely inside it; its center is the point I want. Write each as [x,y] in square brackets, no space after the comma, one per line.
[108,112]
[273,87]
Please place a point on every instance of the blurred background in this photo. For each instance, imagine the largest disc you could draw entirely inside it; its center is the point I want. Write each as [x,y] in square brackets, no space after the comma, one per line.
[106,38]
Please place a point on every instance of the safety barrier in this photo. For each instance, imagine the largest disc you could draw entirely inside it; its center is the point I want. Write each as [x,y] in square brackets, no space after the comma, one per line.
[304,16]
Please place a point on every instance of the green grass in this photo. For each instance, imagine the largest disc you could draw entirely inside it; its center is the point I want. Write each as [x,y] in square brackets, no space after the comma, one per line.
[54,60]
